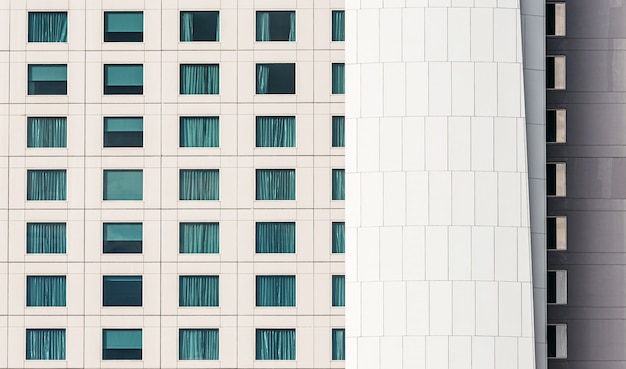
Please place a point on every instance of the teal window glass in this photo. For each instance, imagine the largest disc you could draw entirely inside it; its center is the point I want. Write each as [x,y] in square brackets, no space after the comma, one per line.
[199,79]
[276,26]
[275,237]
[276,78]
[339,290]
[339,25]
[199,132]
[276,344]
[339,344]
[123,132]
[123,26]
[47,79]
[198,344]
[198,290]
[121,344]
[46,132]
[199,238]
[276,290]
[123,185]
[338,132]
[122,238]
[199,184]
[123,79]
[44,185]
[45,344]
[199,26]
[339,83]
[47,26]
[275,184]
[46,290]
[339,237]
[121,290]
[338,191]
[275,131]
[46,238]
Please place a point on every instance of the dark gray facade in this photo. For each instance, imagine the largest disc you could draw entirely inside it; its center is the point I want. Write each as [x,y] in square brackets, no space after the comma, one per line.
[594,97]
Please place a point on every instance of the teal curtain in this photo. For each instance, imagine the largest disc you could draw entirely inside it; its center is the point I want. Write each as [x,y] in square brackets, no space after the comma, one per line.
[199,132]
[199,238]
[276,290]
[339,184]
[275,237]
[262,78]
[199,184]
[123,185]
[46,132]
[46,185]
[199,79]
[292,26]
[198,344]
[45,344]
[263,26]
[275,184]
[45,238]
[47,27]
[338,129]
[339,26]
[275,344]
[339,83]
[198,290]
[339,290]
[275,131]
[46,290]
[186,26]
[339,237]
[339,344]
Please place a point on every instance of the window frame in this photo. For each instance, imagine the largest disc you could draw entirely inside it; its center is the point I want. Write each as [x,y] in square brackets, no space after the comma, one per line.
[105,350]
[180,28]
[292,90]
[121,246]
[121,89]
[105,172]
[109,36]
[106,120]
[50,87]
[107,296]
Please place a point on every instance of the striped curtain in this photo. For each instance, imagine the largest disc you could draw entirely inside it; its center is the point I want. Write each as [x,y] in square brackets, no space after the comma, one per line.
[46,238]
[275,237]
[199,238]
[199,79]
[198,344]
[339,344]
[47,27]
[339,83]
[339,290]
[275,131]
[276,290]
[198,290]
[338,192]
[339,237]
[199,184]
[46,185]
[199,131]
[275,344]
[46,132]
[45,290]
[339,28]
[338,132]
[45,344]
[275,184]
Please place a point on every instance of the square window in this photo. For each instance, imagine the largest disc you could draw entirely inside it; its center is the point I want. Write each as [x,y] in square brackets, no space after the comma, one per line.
[121,344]
[275,184]
[121,290]
[199,79]
[47,79]
[199,26]
[198,344]
[339,344]
[557,341]
[198,290]
[338,132]
[276,78]
[557,286]
[555,72]
[123,26]
[555,179]
[46,238]
[555,19]
[199,184]
[339,237]
[123,185]
[276,290]
[44,185]
[338,190]
[556,233]
[46,132]
[339,84]
[45,344]
[199,132]
[48,290]
[123,132]
[339,26]
[122,238]
[199,238]
[275,237]
[275,131]
[276,26]
[123,79]
[276,344]
[47,26]
[339,290]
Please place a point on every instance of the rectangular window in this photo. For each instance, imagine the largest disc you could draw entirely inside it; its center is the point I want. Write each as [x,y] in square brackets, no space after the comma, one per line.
[123,79]
[555,178]
[47,26]
[275,184]
[123,185]
[199,238]
[276,26]
[45,344]
[276,78]
[122,238]
[555,126]
[198,290]
[276,290]
[276,344]
[43,185]
[199,132]
[121,344]
[275,131]
[339,25]
[275,237]
[46,132]
[46,238]
[121,290]
[339,290]
[123,26]
[339,184]
[199,184]
[339,237]
[199,26]
[198,344]
[555,72]
[556,233]
[47,79]
[338,129]
[48,290]
[339,80]
[557,286]
[123,132]
[339,344]
[199,79]
[555,19]
[557,341]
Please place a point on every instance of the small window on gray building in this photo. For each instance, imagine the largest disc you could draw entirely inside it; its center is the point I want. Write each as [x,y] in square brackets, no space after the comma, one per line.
[555,72]
[557,286]
[556,233]
[555,126]
[555,19]
[555,179]
[557,341]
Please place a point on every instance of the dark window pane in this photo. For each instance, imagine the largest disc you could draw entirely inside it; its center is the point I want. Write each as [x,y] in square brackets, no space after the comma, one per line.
[551,233]
[551,179]
[123,132]
[551,338]
[121,290]
[123,26]
[551,287]
[123,79]
[551,126]
[47,79]
[550,18]
[550,72]
[276,26]
[199,26]
[276,78]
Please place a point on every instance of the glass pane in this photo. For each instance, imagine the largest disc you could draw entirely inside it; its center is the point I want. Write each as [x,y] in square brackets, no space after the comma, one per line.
[129,124]
[339,290]
[46,132]
[45,290]
[276,290]
[45,344]
[276,78]
[199,26]
[338,132]
[198,344]
[46,185]
[338,78]
[123,75]
[123,231]
[199,79]
[199,132]
[338,25]
[47,72]
[45,238]
[123,21]
[275,344]
[275,184]
[122,290]
[339,344]
[338,184]
[276,26]
[47,27]
[339,237]
[198,290]
[275,131]
[123,185]
[275,237]
[121,338]
[199,238]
